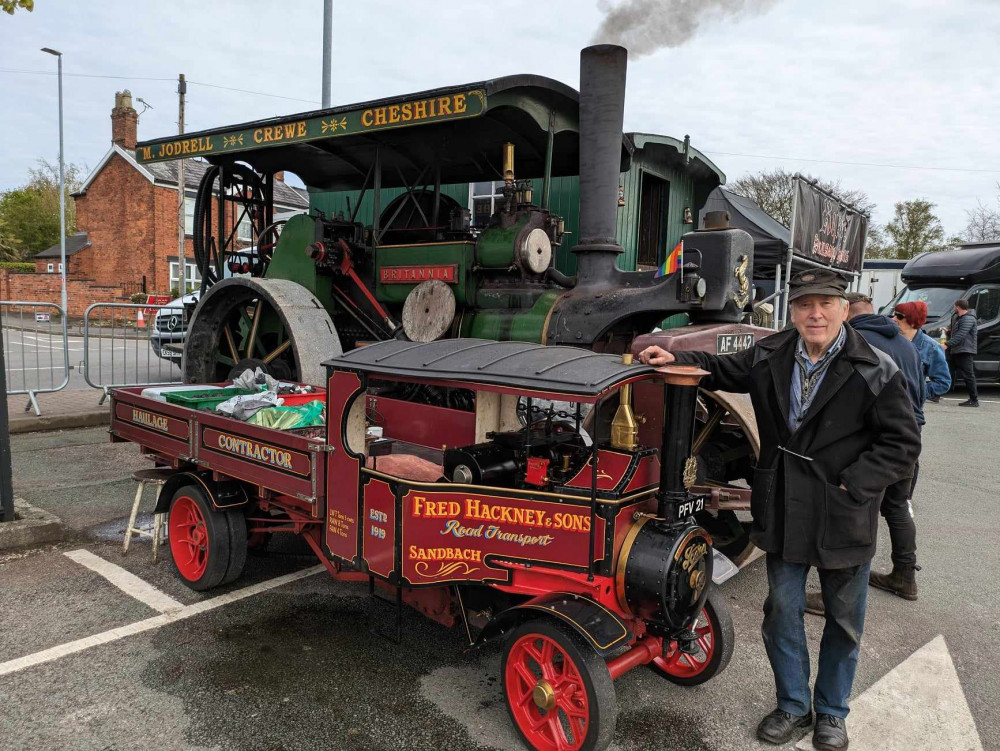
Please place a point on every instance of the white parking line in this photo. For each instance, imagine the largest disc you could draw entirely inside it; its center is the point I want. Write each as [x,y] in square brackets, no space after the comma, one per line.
[106,637]
[126,581]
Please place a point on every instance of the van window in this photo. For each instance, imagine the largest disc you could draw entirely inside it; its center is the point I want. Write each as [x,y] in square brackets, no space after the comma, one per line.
[939,299]
[986,303]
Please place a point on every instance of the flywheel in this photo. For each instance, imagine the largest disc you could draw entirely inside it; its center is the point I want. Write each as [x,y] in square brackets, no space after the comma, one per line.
[245,322]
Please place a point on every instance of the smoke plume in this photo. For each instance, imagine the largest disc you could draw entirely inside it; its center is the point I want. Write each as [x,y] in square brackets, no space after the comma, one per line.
[644,26]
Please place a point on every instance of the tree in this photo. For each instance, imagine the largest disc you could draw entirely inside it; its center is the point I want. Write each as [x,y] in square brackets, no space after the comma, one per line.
[914,229]
[983,223]
[29,215]
[8,6]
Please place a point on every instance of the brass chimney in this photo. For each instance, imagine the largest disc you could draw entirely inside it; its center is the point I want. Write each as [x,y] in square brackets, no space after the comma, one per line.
[624,428]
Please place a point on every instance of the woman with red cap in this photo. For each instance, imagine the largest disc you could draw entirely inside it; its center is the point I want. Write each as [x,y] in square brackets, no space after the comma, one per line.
[910,316]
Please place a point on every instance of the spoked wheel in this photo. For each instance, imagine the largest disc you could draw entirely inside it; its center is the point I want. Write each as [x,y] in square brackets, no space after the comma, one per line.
[209,547]
[726,445]
[274,324]
[559,692]
[713,648]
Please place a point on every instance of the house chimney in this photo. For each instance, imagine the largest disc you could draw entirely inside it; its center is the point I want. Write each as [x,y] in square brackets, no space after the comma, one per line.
[280,176]
[124,120]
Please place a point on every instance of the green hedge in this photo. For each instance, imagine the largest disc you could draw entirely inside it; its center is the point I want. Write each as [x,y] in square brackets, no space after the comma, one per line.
[17,265]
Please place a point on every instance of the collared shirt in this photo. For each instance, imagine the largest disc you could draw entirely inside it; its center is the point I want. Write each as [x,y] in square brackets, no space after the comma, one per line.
[807,376]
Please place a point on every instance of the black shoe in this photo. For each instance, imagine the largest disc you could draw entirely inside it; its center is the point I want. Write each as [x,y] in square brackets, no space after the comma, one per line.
[830,733]
[968,403]
[780,727]
[902,581]
[934,399]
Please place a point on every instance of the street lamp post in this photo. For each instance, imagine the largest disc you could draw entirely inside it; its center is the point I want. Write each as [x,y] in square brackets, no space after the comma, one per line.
[62,212]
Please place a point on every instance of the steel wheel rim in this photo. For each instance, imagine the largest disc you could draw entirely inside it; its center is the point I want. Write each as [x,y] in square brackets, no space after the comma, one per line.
[188,538]
[682,665]
[532,661]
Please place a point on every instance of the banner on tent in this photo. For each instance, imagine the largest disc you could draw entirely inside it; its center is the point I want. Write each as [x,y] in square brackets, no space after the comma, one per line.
[826,231]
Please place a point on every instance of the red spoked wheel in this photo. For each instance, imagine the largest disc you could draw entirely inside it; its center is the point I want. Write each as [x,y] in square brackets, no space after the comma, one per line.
[208,546]
[557,688]
[713,647]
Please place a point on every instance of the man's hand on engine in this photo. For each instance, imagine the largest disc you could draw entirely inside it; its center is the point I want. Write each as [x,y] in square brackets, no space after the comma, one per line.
[655,356]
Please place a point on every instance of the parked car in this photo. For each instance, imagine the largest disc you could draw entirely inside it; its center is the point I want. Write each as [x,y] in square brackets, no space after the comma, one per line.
[42,318]
[939,279]
[166,335]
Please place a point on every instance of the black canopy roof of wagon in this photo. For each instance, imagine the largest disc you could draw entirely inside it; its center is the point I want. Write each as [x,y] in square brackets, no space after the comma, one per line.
[516,365]
[457,127]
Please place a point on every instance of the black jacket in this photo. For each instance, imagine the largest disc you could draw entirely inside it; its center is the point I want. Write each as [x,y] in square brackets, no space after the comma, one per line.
[964,335]
[859,432]
[883,334]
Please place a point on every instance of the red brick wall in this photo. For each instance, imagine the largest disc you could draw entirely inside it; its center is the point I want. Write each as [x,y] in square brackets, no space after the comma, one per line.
[80,293]
[116,214]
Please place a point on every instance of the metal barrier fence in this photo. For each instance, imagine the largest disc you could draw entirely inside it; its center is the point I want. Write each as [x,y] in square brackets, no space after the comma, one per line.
[132,344]
[35,348]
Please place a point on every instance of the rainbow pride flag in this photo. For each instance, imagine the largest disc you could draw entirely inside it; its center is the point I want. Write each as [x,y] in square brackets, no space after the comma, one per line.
[673,262]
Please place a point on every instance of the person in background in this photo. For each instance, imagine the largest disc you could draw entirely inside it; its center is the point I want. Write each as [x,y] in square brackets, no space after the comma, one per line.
[962,345]
[910,317]
[882,333]
[836,428]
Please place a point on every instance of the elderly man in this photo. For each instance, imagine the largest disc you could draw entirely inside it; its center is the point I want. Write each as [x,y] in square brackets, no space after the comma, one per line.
[836,429]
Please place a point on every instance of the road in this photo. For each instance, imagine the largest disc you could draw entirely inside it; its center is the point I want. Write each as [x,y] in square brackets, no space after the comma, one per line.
[34,359]
[297,667]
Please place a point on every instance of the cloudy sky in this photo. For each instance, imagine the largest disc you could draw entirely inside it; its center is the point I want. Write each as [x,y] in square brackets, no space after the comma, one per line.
[896,97]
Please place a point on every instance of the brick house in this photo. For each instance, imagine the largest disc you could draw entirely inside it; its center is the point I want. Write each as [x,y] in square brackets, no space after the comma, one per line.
[126,218]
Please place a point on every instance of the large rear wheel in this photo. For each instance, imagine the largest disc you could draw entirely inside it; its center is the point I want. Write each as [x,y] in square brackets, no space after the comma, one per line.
[274,324]
[558,690]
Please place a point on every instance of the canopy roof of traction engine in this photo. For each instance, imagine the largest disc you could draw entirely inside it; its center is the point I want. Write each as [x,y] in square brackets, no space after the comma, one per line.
[519,366]
[457,127]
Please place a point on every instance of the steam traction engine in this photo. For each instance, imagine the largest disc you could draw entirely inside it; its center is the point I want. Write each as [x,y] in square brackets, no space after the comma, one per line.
[314,286]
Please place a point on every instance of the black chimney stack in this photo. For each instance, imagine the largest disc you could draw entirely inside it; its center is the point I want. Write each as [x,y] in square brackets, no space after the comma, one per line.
[602,110]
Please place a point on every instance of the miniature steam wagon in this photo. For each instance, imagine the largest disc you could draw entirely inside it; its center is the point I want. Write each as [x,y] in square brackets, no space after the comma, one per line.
[579,552]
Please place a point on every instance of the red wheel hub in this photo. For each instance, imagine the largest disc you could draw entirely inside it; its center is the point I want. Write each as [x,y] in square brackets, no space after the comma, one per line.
[547,696]
[684,665]
[188,538]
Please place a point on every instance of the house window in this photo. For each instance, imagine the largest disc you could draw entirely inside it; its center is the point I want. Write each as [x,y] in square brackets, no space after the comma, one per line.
[60,268]
[188,216]
[483,198]
[192,277]
[50,267]
[244,230]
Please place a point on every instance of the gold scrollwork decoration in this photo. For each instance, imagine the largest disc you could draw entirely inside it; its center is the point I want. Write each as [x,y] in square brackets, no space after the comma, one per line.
[445,568]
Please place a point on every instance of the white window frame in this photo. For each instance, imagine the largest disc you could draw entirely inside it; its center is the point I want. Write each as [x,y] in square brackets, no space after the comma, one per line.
[50,268]
[245,225]
[188,215]
[192,279]
[497,185]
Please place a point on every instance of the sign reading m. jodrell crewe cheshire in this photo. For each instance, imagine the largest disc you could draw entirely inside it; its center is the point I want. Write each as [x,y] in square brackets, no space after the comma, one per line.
[382,116]
[827,231]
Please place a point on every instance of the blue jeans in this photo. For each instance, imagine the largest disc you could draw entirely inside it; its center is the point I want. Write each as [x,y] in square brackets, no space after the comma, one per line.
[845,595]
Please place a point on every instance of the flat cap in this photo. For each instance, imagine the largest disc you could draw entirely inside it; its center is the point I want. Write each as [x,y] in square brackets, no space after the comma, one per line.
[817,282]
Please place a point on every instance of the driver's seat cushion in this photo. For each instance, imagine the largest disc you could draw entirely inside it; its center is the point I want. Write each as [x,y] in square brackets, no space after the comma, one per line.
[407,467]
